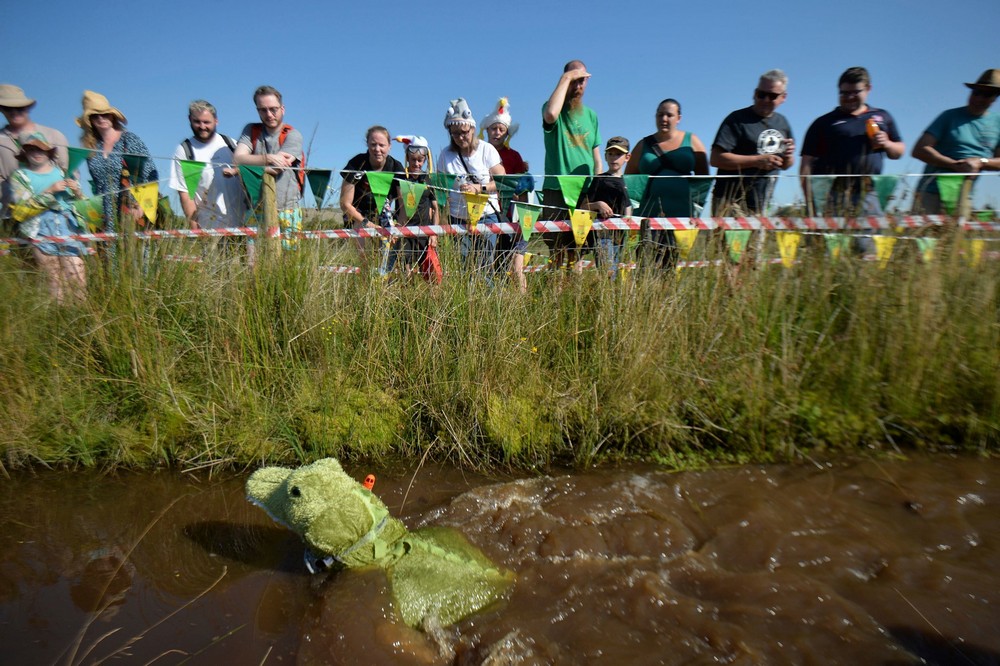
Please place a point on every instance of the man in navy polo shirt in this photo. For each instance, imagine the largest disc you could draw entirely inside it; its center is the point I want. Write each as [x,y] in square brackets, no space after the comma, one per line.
[839,143]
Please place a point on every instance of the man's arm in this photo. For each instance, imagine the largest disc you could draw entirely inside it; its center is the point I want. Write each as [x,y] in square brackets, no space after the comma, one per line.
[805,171]
[598,161]
[558,97]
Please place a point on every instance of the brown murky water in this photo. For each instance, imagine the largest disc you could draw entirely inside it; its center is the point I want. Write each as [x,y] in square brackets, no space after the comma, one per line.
[854,563]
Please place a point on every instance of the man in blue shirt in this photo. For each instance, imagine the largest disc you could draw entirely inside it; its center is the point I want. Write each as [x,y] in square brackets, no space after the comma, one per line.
[963,140]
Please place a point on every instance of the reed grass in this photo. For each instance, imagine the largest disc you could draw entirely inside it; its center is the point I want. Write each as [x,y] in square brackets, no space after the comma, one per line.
[188,365]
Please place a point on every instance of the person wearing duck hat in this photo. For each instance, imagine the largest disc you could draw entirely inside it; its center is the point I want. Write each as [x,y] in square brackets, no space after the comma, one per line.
[115,148]
[16,108]
[499,130]
[965,140]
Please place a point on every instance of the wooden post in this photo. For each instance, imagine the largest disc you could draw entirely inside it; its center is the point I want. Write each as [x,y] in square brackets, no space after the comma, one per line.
[268,233]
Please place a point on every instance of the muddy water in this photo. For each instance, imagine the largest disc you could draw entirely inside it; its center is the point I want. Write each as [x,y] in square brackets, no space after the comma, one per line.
[850,563]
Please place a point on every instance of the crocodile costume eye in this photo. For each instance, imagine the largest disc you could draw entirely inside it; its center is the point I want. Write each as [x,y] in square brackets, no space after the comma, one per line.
[295,492]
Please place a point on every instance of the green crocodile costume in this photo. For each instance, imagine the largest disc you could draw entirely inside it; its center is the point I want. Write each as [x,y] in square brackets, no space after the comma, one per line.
[434,572]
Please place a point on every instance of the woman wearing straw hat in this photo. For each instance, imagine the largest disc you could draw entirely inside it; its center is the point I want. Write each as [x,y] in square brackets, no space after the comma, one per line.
[114,148]
[42,202]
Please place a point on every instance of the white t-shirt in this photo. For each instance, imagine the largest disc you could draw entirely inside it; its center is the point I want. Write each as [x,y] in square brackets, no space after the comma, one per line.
[220,200]
[483,158]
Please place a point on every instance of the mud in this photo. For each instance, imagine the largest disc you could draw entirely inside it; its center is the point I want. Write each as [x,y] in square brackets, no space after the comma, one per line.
[851,562]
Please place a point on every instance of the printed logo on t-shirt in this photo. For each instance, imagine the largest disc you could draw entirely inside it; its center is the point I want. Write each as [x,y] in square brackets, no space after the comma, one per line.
[769,142]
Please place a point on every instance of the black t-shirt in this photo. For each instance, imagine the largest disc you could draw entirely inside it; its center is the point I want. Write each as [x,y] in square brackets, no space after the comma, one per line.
[364,201]
[743,132]
[611,190]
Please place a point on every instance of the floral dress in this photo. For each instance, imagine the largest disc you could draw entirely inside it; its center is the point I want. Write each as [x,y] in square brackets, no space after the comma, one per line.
[111,175]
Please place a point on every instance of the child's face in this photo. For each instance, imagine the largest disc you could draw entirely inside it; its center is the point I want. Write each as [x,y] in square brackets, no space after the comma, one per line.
[616,159]
[36,156]
[415,161]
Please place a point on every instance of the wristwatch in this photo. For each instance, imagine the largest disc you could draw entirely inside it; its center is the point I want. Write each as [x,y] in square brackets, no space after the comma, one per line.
[984,161]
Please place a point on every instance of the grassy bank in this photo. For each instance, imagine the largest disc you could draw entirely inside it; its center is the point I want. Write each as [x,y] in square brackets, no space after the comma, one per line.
[202,364]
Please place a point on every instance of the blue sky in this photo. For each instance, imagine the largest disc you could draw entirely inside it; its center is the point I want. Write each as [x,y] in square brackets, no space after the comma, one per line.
[345,66]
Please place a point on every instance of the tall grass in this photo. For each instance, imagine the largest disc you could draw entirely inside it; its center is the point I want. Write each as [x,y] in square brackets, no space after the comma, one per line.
[217,363]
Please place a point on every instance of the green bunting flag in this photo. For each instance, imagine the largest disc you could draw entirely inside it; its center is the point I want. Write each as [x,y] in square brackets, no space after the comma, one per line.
[253,181]
[527,215]
[636,184]
[442,182]
[411,192]
[192,175]
[76,156]
[837,245]
[571,186]
[319,180]
[926,247]
[884,187]
[736,242]
[380,182]
[134,164]
[984,215]
[699,186]
[91,210]
[949,187]
[820,186]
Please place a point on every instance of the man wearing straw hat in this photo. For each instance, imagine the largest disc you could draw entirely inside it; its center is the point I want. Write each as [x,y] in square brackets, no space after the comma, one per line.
[964,140]
[16,109]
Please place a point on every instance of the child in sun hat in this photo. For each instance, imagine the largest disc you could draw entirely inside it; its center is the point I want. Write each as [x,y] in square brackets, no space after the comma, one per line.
[42,199]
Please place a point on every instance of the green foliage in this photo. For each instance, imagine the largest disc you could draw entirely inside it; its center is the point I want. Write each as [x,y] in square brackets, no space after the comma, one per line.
[172,363]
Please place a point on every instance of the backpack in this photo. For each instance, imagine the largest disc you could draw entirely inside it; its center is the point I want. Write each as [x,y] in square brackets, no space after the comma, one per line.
[255,131]
[189,149]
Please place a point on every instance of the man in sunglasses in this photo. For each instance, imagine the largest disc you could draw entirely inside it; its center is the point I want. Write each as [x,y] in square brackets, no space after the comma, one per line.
[752,145]
[963,140]
[16,109]
[851,142]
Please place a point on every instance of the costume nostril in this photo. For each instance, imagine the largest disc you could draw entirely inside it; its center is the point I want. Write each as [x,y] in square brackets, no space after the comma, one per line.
[295,492]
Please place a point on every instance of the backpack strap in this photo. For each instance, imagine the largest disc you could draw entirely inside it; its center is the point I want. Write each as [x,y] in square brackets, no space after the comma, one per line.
[230,143]
[188,149]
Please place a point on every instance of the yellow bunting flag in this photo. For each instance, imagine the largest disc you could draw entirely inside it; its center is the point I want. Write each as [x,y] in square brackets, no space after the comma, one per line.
[475,203]
[148,196]
[926,246]
[685,241]
[883,249]
[788,246]
[581,221]
[975,253]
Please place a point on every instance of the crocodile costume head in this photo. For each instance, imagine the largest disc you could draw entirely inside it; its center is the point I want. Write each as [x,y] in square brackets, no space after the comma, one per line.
[433,572]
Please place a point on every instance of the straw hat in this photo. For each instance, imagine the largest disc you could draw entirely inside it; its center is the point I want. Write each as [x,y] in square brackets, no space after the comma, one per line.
[13,97]
[989,81]
[95,103]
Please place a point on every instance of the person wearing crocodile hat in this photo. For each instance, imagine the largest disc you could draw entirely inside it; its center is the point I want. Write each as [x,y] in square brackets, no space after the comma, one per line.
[17,107]
[965,140]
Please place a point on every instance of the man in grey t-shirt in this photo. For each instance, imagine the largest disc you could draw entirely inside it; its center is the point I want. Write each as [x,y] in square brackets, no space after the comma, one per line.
[277,147]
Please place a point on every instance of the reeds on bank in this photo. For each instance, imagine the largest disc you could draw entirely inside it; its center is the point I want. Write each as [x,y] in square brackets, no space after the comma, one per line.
[220,363]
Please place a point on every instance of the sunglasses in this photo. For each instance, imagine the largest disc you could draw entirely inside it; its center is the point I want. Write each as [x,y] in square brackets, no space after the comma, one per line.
[273,110]
[763,94]
[851,93]
[985,93]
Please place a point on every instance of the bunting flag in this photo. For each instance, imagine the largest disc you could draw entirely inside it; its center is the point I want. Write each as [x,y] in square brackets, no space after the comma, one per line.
[926,247]
[883,249]
[975,253]
[134,164]
[411,193]
[192,175]
[527,215]
[582,222]
[699,188]
[511,185]
[685,241]
[571,186]
[736,242]
[475,202]
[984,215]
[253,181]
[147,195]
[636,184]
[949,187]
[884,187]
[76,156]
[91,210]
[837,245]
[442,183]
[788,246]
[820,190]
[380,182]
[319,180]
